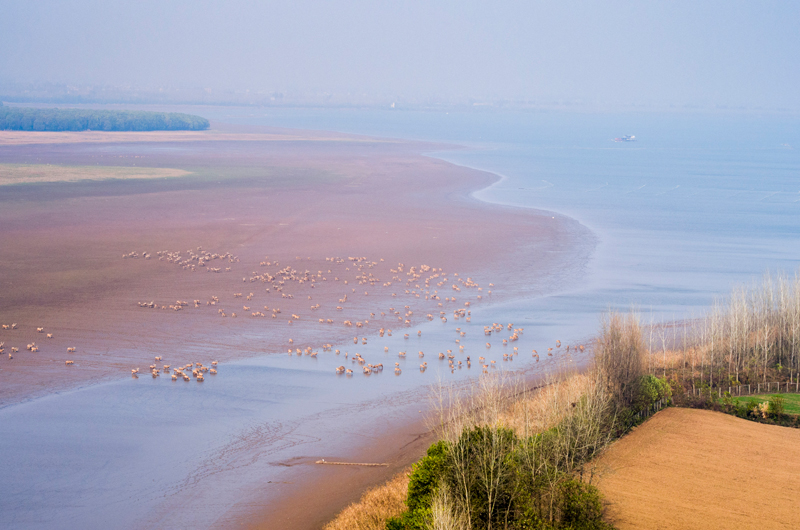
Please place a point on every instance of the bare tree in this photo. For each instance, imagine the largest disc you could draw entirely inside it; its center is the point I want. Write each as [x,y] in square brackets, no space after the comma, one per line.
[620,354]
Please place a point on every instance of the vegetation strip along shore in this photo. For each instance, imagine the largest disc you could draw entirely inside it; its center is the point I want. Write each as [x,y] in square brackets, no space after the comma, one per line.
[36,119]
[505,461]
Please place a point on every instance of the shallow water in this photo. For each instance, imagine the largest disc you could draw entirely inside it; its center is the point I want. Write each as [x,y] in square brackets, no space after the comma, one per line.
[698,204]
[157,453]
[695,205]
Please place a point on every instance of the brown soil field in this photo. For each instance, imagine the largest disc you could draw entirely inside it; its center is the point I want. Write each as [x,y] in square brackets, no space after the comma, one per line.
[687,468]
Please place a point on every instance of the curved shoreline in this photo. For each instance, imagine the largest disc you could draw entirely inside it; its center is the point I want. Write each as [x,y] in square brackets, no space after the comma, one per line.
[480,240]
[464,191]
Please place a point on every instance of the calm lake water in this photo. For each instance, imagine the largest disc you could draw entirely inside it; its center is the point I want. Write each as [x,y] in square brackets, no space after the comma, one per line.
[696,205]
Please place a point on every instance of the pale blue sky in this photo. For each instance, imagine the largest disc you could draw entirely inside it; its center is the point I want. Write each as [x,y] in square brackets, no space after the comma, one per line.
[706,53]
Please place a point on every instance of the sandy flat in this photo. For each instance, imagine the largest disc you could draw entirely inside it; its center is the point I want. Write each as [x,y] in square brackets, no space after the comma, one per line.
[690,468]
[75,137]
[38,173]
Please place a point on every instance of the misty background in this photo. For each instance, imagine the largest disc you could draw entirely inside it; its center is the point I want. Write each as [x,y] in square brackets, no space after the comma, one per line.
[593,55]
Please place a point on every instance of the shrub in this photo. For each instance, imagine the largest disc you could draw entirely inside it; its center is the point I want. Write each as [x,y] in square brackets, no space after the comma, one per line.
[396,523]
[478,471]
[760,410]
[483,474]
[650,389]
[571,505]
[423,482]
[727,399]
[581,506]
[777,407]
[741,409]
[426,475]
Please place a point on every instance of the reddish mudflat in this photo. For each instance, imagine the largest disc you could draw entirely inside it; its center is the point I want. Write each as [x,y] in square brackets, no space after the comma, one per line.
[62,267]
[689,468]
[278,200]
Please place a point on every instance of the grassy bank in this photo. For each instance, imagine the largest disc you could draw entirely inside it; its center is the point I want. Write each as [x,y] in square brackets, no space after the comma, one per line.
[791,404]
[375,507]
[517,459]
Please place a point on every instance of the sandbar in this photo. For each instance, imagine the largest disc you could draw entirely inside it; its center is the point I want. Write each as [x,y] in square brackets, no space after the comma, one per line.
[39,173]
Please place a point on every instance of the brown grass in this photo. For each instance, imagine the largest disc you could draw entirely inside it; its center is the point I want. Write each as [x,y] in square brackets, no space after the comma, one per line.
[34,173]
[542,409]
[375,506]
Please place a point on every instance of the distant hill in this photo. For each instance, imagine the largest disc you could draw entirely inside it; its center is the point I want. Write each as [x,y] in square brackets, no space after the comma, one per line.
[31,119]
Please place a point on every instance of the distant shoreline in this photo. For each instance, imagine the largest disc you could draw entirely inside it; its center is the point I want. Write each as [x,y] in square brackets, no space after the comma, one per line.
[8,138]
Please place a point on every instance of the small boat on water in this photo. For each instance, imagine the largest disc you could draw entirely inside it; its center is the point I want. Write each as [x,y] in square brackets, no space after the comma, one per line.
[625,139]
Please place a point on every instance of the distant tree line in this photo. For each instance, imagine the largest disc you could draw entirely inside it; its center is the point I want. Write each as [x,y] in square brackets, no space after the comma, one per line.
[33,119]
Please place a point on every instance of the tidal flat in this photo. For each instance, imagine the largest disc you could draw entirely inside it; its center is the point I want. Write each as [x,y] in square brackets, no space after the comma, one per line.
[325,248]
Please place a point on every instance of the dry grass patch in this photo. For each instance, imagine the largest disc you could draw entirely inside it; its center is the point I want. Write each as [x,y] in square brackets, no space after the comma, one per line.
[375,506]
[34,173]
[544,408]
[75,137]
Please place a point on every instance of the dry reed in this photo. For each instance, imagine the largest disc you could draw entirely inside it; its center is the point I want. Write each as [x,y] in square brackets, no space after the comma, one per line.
[621,355]
[375,506]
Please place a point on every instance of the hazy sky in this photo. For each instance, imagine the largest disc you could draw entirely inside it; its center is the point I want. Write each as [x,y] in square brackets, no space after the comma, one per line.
[737,53]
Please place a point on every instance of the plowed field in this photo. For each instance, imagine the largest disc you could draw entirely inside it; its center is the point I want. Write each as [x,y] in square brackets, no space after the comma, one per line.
[700,469]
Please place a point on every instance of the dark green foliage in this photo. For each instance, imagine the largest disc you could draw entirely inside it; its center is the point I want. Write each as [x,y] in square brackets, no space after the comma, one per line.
[485,477]
[491,475]
[739,408]
[581,506]
[426,476]
[396,523]
[32,119]
[571,504]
